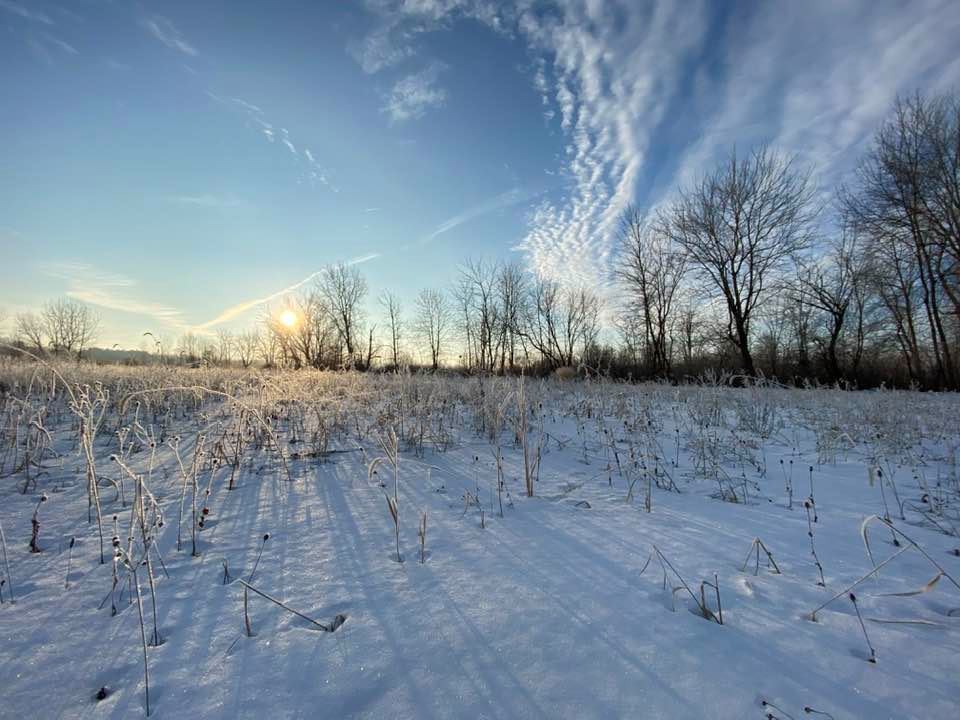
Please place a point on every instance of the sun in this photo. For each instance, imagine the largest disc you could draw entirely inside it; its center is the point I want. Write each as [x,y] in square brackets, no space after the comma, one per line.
[288,318]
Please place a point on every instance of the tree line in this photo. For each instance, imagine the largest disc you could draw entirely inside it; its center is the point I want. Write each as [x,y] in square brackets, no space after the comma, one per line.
[750,270]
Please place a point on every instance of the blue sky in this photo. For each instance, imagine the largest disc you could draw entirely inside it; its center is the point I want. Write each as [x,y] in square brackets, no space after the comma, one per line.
[179,163]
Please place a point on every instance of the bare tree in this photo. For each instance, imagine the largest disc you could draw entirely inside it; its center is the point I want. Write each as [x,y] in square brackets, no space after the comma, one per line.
[650,270]
[476,295]
[343,289]
[247,344]
[373,349]
[771,344]
[226,343]
[29,330]
[513,294]
[829,285]
[739,226]
[86,325]
[561,322]
[56,325]
[68,326]
[269,348]
[907,199]
[312,331]
[688,331]
[392,307]
[432,322]
[189,347]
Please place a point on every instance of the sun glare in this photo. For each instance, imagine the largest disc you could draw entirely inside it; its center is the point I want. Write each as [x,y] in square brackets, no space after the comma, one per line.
[288,318]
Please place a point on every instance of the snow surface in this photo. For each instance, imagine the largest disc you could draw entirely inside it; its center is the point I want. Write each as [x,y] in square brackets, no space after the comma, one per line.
[556,610]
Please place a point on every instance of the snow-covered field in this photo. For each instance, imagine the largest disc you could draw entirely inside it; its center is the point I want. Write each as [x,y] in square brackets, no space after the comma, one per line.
[572,603]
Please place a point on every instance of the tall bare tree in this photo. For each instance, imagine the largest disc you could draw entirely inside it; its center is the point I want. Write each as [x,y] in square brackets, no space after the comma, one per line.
[481,316]
[344,289]
[739,226]
[432,322]
[246,345]
[512,289]
[829,285]
[907,200]
[394,312]
[226,343]
[650,269]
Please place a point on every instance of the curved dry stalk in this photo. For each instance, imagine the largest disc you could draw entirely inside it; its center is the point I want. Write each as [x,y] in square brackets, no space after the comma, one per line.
[911,543]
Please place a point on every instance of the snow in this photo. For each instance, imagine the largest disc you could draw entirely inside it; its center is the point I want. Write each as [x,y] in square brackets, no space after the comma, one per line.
[557,609]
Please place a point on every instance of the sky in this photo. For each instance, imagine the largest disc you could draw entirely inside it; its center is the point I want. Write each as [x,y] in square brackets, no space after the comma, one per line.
[180,165]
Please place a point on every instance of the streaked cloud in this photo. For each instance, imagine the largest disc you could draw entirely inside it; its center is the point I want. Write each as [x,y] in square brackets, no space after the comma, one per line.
[110,290]
[615,80]
[166,32]
[61,45]
[207,200]
[412,96]
[242,307]
[46,47]
[312,171]
[27,14]
[606,77]
[499,202]
[610,78]
[847,63]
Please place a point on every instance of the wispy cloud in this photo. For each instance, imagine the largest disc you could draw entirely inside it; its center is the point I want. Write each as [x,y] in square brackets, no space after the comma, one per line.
[399,23]
[207,200]
[360,259]
[166,32]
[817,79]
[607,78]
[813,78]
[242,307]
[118,292]
[610,78]
[46,47]
[414,94]
[64,46]
[18,9]
[247,106]
[499,202]
[312,170]
[111,291]
[381,49]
